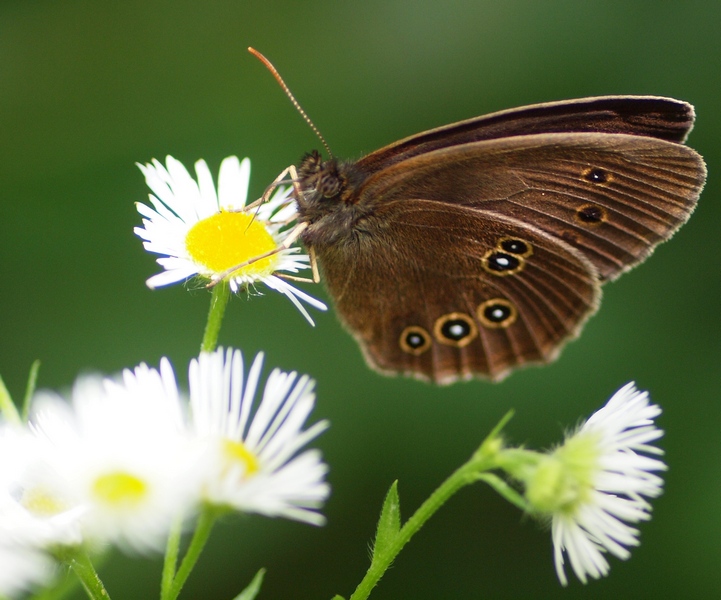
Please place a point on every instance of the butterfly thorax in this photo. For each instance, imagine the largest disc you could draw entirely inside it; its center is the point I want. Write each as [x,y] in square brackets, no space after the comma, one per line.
[328,201]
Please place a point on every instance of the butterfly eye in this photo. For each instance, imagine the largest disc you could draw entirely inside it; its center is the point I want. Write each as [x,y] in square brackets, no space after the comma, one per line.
[502,263]
[415,340]
[455,329]
[591,214]
[497,313]
[515,246]
[329,185]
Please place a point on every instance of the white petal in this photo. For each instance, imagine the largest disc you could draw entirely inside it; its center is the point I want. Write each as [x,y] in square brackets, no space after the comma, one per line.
[208,200]
[233,183]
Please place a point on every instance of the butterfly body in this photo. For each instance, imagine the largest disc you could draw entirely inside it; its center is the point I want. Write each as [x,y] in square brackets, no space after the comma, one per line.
[480,246]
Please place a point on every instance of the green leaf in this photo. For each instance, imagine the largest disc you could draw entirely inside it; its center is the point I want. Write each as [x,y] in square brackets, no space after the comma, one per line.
[250,592]
[7,407]
[337,597]
[493,443]
[389,523]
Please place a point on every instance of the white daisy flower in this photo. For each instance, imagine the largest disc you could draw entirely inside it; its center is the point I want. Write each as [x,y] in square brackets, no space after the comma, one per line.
[599,480]
[23,567]
[31,507]
[121,453]
[31,521]
[204,233]
[252,463]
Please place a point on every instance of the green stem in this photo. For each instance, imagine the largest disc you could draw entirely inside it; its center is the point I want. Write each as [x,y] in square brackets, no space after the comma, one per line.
[171,558]
[30,389]
[200,537]
[484,459]
[82,566]
[218,302]
[506,491]
[465,475]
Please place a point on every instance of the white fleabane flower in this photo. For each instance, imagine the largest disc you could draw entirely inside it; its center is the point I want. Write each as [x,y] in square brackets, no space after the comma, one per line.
[23,567]
[30,509]
[204,233]
[120,452]
[596,483]
[32,522]
[251,450]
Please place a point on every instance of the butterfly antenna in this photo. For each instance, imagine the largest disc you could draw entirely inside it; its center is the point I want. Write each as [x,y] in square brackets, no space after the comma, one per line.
[279,79]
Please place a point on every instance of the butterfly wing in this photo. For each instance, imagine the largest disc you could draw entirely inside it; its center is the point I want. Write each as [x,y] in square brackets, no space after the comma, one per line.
[650,116]
[613,197]
[480,246]
[445,292]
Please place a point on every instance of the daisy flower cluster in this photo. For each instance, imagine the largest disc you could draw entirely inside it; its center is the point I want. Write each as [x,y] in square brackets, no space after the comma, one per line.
[127,457]
[206,233]
[596,484]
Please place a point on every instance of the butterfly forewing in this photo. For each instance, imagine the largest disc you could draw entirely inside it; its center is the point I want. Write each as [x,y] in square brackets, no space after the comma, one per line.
[649,116]
[612,196]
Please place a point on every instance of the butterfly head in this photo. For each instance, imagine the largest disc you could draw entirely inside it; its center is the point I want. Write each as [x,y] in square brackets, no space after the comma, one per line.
[328,200]
[320,177]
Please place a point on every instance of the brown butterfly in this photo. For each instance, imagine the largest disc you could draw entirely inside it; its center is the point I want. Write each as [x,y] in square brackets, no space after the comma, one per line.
[477,247]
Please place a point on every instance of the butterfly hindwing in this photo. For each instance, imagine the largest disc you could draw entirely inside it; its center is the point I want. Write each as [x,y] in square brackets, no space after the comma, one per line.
[503,294]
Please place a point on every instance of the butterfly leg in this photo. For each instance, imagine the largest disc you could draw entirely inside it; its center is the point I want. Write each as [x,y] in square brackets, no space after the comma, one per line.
[314,264]
[311,252]
[287,243]
[271,188]
[266,196]
[295,278]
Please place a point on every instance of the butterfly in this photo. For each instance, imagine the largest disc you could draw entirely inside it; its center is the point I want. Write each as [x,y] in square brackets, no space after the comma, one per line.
[475,248]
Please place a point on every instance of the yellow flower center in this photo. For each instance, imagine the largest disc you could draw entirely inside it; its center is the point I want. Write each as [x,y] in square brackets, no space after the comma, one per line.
[42,503]
[236,453]
[231,238]
[120,489]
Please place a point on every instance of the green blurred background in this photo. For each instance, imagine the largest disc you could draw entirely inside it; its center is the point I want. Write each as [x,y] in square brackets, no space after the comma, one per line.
[89,88]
